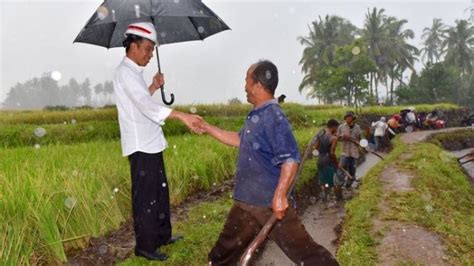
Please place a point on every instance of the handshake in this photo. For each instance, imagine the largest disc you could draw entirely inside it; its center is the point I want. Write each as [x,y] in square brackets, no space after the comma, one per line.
[194,122]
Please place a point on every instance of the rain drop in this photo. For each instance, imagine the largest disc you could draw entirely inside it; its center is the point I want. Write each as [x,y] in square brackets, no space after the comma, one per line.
[163,185]
[255,146]
[268,74]
[255,118]
[174,146]
[214,184]
[73,121]
[176,1]
[326,185]
[40,132]
[102,12]
[315,152]
[204,216]
[56,75]
[428,208]
[141,173]
[163,34]
[102,250]
[248,131]
[356,50]
[314,121]
[193,110]
[162,216]
[70,202]
[137,11]
[111,197]
[200,29]
[116,190]
[148,210]
[37,146]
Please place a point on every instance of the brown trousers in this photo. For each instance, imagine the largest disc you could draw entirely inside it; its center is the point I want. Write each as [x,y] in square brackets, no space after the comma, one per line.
[245,221]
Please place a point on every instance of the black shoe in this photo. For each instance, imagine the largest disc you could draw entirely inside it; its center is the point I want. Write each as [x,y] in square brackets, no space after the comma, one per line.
[173,240]
[156,255]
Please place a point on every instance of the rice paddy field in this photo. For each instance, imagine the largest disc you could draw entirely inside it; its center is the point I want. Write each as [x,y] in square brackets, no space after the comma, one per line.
[63,180]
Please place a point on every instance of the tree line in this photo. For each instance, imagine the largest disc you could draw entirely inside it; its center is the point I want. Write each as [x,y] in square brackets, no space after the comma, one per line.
[46,92]
[350,65]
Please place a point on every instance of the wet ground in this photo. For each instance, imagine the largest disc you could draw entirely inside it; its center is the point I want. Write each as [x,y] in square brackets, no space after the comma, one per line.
[468,167]
[323,224]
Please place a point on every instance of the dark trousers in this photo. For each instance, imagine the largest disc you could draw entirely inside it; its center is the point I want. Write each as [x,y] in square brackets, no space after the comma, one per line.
[349,164]
[245,221]
[150,201]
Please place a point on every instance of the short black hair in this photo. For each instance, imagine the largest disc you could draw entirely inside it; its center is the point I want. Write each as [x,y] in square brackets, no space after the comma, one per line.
[332,123]
[266,73]
[131,38]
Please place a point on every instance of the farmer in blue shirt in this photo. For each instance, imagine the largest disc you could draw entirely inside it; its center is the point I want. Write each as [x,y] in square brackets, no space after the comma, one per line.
[267,164]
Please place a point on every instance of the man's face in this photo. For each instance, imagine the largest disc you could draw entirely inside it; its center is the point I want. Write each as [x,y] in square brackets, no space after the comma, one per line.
[333,130]
[143,52]
[349,119]
[251,87]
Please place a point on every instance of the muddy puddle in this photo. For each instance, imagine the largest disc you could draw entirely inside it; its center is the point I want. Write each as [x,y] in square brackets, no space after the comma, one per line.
[321,223]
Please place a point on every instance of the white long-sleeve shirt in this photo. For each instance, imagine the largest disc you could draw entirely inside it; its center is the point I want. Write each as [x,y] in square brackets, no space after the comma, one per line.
[140,117]
[380,128]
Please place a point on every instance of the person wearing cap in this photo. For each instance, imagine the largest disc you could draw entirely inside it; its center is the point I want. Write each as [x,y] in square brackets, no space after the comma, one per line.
[350,134]
[267,163]
[379,133]
[142,140]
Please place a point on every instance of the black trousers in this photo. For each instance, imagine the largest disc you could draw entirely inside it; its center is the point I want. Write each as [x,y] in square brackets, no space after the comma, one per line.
[150,200]
[245,221]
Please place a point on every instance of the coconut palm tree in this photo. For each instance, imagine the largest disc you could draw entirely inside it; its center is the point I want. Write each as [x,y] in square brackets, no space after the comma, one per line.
[432,41]
[375,35]
[459,46]
[320,47]
[400,54]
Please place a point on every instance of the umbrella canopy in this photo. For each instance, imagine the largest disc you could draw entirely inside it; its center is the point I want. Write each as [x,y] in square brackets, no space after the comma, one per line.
[174,20]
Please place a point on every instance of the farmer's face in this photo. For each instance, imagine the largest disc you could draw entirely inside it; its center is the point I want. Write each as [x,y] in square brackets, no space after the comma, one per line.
[349,119]
[143,51]
[251,87]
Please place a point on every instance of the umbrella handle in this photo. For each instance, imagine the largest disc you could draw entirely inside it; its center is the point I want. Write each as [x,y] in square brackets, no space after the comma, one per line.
[163,96]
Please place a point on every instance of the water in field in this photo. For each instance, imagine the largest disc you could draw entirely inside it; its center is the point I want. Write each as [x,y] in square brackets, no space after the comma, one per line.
[469,167]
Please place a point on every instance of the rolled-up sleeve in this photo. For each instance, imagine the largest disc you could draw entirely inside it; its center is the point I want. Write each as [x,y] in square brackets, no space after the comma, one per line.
[142,99]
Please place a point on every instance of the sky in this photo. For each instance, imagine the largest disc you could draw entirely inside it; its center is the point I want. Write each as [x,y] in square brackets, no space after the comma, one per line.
[37,36]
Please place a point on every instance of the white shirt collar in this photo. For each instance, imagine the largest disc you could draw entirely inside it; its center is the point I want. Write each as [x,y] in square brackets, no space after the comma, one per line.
[130,63]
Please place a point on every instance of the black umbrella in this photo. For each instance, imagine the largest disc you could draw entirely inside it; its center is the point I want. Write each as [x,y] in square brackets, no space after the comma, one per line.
[174,20]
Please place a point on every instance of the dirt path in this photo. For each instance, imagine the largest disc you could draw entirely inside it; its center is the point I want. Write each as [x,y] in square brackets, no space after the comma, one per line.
[322,224]
[400,242]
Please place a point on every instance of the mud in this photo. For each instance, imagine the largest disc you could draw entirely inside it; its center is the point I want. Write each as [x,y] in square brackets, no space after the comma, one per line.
[322,222]
[411,244]
[118,244]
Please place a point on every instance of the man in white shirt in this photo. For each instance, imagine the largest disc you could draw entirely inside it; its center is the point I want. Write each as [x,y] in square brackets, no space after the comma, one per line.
[142,139]
[379,133]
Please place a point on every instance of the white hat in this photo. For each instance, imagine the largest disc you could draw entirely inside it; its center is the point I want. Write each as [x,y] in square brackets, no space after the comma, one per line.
[143,29]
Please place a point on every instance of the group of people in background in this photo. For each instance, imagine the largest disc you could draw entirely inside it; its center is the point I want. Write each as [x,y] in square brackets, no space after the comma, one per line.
[334,173]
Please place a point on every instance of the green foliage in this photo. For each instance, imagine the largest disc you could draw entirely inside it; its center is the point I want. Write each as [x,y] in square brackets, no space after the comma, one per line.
[437,83]
[346,79]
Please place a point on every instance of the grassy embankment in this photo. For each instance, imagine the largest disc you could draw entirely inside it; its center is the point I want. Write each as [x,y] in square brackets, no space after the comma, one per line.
[442,201]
